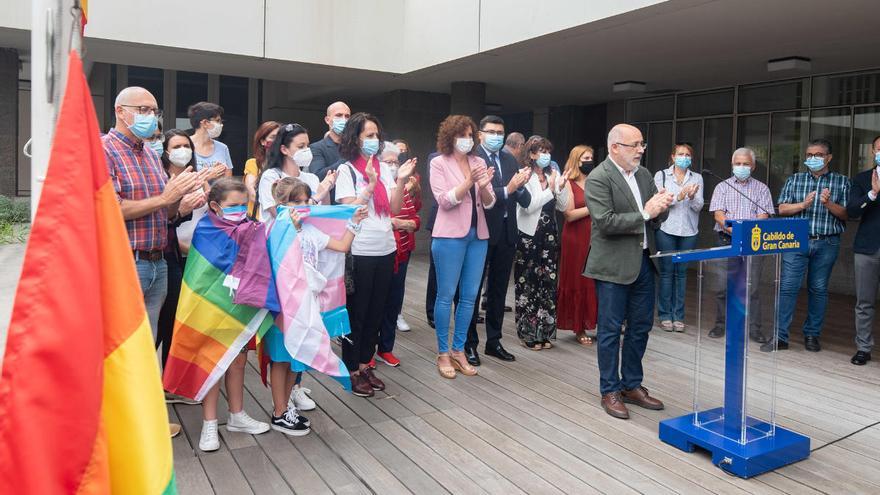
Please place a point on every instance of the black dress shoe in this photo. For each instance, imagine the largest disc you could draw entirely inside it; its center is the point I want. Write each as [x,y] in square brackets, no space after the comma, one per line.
[473,358]
[774,345]
[758,337]
[811,343]
[716,332]
[498,351]
[431,322]
[861,358]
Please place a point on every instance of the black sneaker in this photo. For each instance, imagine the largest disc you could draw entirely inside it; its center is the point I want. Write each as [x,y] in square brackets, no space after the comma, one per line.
[291,423]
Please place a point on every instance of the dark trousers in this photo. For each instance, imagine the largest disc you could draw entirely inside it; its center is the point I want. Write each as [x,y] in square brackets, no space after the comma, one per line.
[499,263]
[169,307]
[392,309]
[431,291]
[366,307]
[635,304]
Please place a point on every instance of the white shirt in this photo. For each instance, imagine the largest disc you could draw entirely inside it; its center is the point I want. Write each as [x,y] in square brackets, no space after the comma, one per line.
[376,237]
[271,176]
[630,178]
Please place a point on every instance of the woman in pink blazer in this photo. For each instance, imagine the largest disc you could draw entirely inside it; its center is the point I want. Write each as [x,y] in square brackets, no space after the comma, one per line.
[462,187]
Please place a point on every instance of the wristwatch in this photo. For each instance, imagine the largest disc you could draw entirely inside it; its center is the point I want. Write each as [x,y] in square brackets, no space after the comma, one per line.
[645,215]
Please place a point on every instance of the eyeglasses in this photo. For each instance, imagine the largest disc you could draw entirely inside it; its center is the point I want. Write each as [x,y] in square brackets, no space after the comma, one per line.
[642,144]
[492,133]
[144,110]
[816,155]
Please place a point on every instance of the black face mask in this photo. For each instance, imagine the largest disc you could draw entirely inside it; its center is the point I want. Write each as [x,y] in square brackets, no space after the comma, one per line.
[586,167]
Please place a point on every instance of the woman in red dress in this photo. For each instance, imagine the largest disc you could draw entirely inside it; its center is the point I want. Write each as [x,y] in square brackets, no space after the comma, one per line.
[576,304]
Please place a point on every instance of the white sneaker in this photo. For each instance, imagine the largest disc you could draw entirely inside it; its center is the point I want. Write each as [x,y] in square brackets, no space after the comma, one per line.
[243,423]
[402,325]
[299,400]
[209,440]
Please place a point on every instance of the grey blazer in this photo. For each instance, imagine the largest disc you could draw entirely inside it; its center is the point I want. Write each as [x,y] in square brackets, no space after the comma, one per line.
[616,241]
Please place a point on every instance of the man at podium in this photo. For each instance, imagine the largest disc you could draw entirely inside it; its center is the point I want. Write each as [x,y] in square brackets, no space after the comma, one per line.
[626,208]
[741,197]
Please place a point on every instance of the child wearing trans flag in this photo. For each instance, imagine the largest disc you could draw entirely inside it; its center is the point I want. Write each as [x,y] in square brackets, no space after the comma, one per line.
[293,196]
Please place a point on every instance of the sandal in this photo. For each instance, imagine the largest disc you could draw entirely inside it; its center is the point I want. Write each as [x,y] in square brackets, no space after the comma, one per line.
[534,346]
[459,362]
[583,339]
[546,345]
[445,370]
[678,326]
[666,325]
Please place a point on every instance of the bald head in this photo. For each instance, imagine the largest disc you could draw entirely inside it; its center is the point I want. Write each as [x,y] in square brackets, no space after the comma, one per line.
[624,146]
[135,95]
[340,113]
[129,102]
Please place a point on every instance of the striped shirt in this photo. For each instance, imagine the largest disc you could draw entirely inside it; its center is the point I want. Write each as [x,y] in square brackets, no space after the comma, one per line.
[822,222]
[406,241]
[137,174]
[736,206]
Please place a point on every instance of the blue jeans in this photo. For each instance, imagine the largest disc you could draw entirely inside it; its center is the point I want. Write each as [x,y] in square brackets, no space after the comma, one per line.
[635,304]
[818,263]
[153,276]
[673,276]
[459,264]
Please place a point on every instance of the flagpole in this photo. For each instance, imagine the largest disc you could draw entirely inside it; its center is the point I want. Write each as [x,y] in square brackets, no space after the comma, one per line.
[51,28]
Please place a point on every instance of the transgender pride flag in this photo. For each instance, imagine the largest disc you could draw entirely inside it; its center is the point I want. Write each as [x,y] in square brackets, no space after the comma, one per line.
[311,288]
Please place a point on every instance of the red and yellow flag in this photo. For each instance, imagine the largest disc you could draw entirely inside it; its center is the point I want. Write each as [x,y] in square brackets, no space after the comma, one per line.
[81,404]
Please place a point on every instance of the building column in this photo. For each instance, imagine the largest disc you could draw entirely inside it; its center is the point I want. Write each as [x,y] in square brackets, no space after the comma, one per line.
[468,98]
[8,121]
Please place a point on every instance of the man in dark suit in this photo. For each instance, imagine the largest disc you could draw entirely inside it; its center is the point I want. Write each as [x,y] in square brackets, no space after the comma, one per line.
[325,153]
[503,235]
[626,208]
[864,204]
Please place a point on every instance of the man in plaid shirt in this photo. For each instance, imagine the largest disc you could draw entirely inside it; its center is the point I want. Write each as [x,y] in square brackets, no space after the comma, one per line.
[147,198]
[820,196]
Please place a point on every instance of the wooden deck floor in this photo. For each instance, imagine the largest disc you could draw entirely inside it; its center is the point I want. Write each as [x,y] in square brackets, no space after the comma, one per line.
[535,426]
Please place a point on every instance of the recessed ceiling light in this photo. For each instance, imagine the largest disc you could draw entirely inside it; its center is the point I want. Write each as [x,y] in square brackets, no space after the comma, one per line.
[629,87]
[789,63]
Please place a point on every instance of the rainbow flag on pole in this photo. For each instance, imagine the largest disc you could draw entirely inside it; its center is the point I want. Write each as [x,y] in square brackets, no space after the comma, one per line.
[311,287]
[225,300]
[81,404]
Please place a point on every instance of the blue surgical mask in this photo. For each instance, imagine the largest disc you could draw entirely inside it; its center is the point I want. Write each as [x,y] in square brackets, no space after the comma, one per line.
[144,126]
[370,147]
[339,124]
[543,159]
[742,172]
[494,142]
[235,213]
[814,163]
[157,146]
[682,161]
[877,158]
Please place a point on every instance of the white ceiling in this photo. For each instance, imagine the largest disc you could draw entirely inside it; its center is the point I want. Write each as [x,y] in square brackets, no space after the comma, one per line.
[680,44]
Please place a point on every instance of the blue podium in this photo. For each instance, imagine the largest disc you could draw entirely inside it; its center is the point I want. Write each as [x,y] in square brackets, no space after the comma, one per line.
[734,401]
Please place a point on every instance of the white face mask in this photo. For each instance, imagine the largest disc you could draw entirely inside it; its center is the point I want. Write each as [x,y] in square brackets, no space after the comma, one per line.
[303,158]
[215,130]
[464,145]
[393,168]
[180,156]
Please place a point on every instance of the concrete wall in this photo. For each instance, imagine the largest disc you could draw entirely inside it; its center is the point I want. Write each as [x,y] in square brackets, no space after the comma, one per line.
[9,122]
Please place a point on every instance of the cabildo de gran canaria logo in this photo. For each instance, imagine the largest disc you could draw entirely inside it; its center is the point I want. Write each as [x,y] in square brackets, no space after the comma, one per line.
[756,238]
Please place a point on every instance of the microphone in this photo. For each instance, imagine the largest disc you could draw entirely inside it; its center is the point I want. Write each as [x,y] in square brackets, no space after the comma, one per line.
[724,181]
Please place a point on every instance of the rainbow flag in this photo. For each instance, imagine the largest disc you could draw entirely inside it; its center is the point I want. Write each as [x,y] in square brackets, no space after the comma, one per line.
[81,405]
[311,287]
[225,300]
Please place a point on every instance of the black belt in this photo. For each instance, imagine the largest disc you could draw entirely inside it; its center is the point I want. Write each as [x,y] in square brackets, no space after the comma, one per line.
[148,255]
[822,236]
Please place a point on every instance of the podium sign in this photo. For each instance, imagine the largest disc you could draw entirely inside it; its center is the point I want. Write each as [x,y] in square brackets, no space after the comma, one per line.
[734,401]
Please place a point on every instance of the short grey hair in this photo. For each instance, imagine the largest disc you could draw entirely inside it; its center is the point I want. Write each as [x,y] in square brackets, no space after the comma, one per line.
[390,148]
[744,151]
[515,139]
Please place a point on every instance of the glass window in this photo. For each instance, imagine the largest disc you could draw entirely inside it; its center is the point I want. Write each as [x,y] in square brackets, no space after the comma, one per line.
[234,100]
[717,145]
[788,95]
[754,132]
[833,124]
[659,139]
[788,141]
[705,104]
[846,89]
[149,79]
[866,127]
[192,87]
[650,109]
